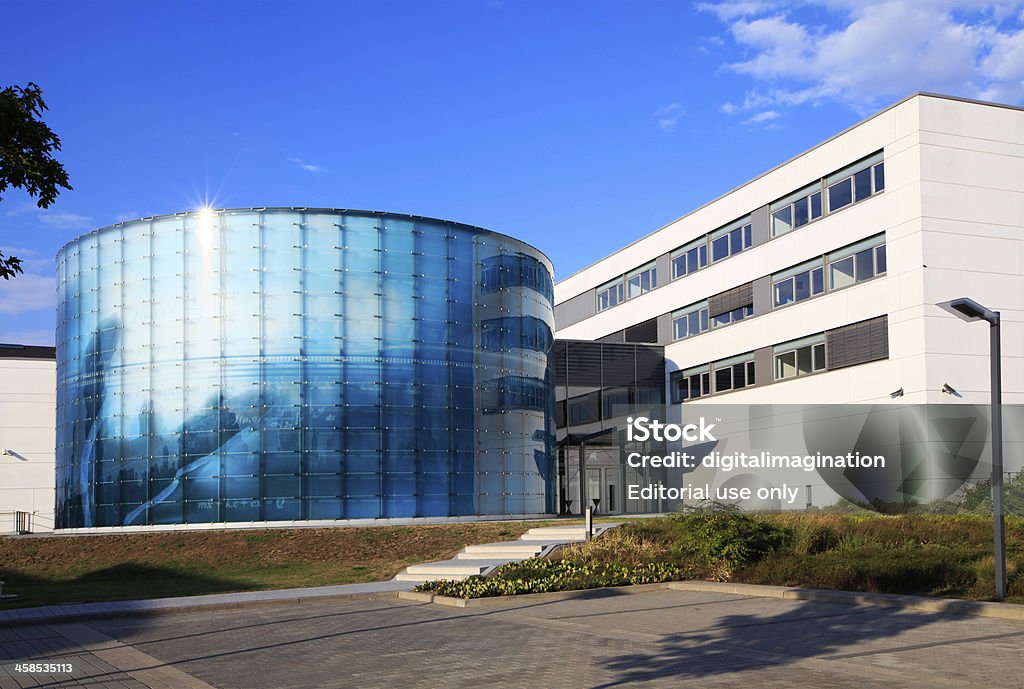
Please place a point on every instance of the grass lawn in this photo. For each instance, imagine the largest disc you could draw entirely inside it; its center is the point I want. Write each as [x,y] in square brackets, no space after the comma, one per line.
[931,555]
[64,569]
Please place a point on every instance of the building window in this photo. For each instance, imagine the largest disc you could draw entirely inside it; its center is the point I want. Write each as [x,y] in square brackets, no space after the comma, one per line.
[690,258]
[733,316]
[690,321]
[733,374]
[799,283]
[641,281]
[857,263]
[609,295]
[690,384]
[856,183]
[729,241]
[796,210]
[800,357]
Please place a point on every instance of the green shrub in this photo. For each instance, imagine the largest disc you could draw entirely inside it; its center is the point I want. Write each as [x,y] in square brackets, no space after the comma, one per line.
[729,538]
[537,575]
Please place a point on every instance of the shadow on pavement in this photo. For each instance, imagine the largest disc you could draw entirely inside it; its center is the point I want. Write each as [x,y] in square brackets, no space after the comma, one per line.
[737,642]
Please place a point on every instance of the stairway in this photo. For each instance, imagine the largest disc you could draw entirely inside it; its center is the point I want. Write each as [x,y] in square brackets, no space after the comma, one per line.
[481,559]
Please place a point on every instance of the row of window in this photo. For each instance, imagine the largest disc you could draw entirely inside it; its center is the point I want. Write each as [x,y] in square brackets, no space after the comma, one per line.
[847,186]
[848,266]
[693,320]
[855,183]
[792,359]
[845,267]
[724,243]
[728,374]
[638,282]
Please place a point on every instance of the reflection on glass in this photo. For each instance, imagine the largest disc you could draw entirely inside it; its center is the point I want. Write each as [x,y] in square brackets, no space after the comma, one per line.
[259,365]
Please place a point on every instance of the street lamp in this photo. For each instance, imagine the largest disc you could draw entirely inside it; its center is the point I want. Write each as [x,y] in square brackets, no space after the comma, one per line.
[970,310]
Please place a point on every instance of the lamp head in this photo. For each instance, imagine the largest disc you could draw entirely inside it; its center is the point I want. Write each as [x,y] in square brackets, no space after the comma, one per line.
[969,310]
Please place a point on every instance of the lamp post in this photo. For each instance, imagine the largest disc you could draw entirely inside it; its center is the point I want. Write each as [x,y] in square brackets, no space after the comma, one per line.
[970,310]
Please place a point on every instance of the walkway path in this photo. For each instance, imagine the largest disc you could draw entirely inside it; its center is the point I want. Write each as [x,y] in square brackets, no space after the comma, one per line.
[607,638]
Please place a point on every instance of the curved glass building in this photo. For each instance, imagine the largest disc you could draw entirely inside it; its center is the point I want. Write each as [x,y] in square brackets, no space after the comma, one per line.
[298,364]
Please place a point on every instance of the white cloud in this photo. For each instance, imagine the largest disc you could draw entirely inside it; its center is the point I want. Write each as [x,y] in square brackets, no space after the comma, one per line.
[872,52]
[27,292]
[62,220]
[734,8]
[668,116]
[308,167]
[762,117]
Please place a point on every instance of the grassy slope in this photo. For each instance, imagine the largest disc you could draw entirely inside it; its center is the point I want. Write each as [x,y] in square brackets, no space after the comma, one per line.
[921,554]
[48,570]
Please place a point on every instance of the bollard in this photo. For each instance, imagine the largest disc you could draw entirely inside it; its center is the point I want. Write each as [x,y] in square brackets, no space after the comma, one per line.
[589,523]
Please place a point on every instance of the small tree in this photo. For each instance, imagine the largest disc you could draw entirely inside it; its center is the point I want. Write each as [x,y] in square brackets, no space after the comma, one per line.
[27,145]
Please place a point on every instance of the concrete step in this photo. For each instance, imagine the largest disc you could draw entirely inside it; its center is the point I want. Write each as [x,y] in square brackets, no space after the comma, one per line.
[549,537]
[563,534]
[449,569]
[506,549]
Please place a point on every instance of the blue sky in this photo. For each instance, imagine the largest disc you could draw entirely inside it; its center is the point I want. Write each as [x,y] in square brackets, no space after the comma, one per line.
[575,126]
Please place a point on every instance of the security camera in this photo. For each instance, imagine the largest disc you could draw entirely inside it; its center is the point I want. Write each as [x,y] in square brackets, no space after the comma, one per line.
[950,390]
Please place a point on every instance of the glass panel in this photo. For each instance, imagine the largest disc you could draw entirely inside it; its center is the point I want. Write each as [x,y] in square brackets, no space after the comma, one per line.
[784,292]
[880,177]
[817,281]
[633,287]
[803,286]
[800,214]
[840,194]
[782,221]
[841,273]
[865,264]
[679,266]
[803,361]
[736,241]
[785,365]
[819,357]
[720,248]
[705,384]
[815,205]
[723,379]
[880,259]
[862,184]
[739,375]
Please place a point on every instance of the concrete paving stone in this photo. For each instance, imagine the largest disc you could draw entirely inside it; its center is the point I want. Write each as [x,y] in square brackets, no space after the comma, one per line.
[651,638]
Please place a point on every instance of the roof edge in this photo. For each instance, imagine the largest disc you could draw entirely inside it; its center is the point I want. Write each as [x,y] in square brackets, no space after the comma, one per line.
[898,103]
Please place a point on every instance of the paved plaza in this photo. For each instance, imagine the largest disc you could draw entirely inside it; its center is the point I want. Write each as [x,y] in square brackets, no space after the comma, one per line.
[659,638]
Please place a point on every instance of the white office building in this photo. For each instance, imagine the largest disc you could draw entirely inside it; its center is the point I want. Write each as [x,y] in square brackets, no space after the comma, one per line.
[817,282]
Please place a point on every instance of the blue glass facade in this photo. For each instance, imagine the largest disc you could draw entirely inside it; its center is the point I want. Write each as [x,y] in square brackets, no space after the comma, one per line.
[283,364]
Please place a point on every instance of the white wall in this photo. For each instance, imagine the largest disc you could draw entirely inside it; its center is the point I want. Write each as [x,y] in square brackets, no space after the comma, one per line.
[27,422]
[972,188]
